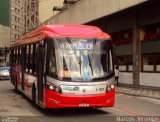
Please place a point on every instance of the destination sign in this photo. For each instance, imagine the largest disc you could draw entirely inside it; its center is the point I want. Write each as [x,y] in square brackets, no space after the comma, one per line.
[77,46]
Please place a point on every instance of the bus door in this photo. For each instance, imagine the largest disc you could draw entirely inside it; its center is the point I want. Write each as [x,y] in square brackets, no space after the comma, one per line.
[40,71]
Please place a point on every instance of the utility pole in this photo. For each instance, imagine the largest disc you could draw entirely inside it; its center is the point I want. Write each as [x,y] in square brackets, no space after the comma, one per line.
[30,14]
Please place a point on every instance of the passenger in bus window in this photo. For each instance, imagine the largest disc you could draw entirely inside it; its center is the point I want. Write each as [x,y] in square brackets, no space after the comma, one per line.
[117,75]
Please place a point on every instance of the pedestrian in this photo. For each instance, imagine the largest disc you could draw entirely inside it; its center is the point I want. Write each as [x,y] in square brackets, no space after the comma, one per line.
[117,75]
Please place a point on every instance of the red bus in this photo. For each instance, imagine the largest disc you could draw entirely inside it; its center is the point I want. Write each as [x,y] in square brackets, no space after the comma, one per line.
[59,66]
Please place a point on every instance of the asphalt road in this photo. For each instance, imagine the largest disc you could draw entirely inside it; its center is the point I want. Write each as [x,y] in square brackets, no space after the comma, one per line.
[19,108]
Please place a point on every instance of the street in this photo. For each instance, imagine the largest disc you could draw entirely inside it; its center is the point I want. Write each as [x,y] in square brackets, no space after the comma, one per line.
[80,53]
[12,104]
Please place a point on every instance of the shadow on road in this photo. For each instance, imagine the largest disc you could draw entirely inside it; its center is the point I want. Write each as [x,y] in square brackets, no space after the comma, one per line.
[73,112]
[24,102]
[66,112]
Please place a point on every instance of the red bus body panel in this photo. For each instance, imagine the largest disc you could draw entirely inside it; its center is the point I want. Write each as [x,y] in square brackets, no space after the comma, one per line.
[56,100]
[50,31]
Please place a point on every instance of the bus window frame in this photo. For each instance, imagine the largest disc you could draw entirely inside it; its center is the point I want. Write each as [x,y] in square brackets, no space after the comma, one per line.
[69,79]
[48,59]
[20,58]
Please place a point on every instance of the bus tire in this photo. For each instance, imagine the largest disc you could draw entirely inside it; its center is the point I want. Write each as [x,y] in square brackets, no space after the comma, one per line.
[34,94]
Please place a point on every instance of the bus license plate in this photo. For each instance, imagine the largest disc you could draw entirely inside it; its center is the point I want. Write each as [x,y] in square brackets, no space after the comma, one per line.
[84,105]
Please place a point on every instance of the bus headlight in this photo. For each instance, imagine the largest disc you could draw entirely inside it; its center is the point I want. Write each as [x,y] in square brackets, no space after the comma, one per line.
[53,87]
[110,87]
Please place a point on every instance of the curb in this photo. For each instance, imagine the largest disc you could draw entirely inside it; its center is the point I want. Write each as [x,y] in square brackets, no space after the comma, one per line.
[138,95]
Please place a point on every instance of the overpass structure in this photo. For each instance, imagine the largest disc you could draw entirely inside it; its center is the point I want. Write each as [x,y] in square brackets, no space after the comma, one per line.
[135,29]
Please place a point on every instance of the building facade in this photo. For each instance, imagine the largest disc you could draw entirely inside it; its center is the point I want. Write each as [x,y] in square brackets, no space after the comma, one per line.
[53,8]
[24,17]
[135,29]
[4,31]
[47,12]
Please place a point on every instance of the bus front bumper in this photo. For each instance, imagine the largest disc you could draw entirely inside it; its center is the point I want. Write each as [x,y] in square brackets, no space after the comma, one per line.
[56,100]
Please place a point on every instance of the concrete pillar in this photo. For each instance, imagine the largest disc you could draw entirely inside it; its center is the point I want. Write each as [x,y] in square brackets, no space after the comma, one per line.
[136,54]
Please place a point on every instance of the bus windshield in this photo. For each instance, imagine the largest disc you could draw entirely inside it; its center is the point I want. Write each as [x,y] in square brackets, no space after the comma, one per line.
[80,59]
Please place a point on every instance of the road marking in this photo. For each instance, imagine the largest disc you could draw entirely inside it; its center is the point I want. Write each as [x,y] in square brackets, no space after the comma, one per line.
[128,96]
[125,96]
[21,100]
[126,111]
[130,112]
[17,97]
[117,95]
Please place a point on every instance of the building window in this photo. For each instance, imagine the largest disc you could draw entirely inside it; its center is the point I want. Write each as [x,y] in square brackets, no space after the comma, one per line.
[15,18]
[15,36]
[15,10]
[151,32]
[18,19]
[18,2]
[123,48]
[151,63]
[122,38]
[148,62]
[150,41]
[125,63]
[18,11]
[16,27]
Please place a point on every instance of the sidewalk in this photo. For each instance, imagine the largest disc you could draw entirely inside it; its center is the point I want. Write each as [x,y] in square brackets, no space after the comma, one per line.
[143,92]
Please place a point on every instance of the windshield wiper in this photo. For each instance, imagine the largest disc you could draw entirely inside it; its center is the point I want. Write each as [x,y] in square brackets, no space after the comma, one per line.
[90,64]
[77,58]
[89,58]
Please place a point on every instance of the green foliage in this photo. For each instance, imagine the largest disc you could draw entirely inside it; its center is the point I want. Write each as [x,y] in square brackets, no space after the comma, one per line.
[4,12]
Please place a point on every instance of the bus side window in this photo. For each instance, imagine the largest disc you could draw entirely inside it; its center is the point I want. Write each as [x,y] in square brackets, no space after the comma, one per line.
[27,54]
[19,49]
[51,58]
[34,59]
[25,57]
[21,57]
[15,55]
[52,64]
[12,56]
[31,59]
[36,56]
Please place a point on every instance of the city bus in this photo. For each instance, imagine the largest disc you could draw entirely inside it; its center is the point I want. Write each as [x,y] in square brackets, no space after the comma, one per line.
[64,66]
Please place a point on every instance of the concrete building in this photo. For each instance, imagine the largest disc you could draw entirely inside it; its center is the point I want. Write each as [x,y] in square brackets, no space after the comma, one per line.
[135,29]
[24,17]
[46,8]
[4,31]
[28,14]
